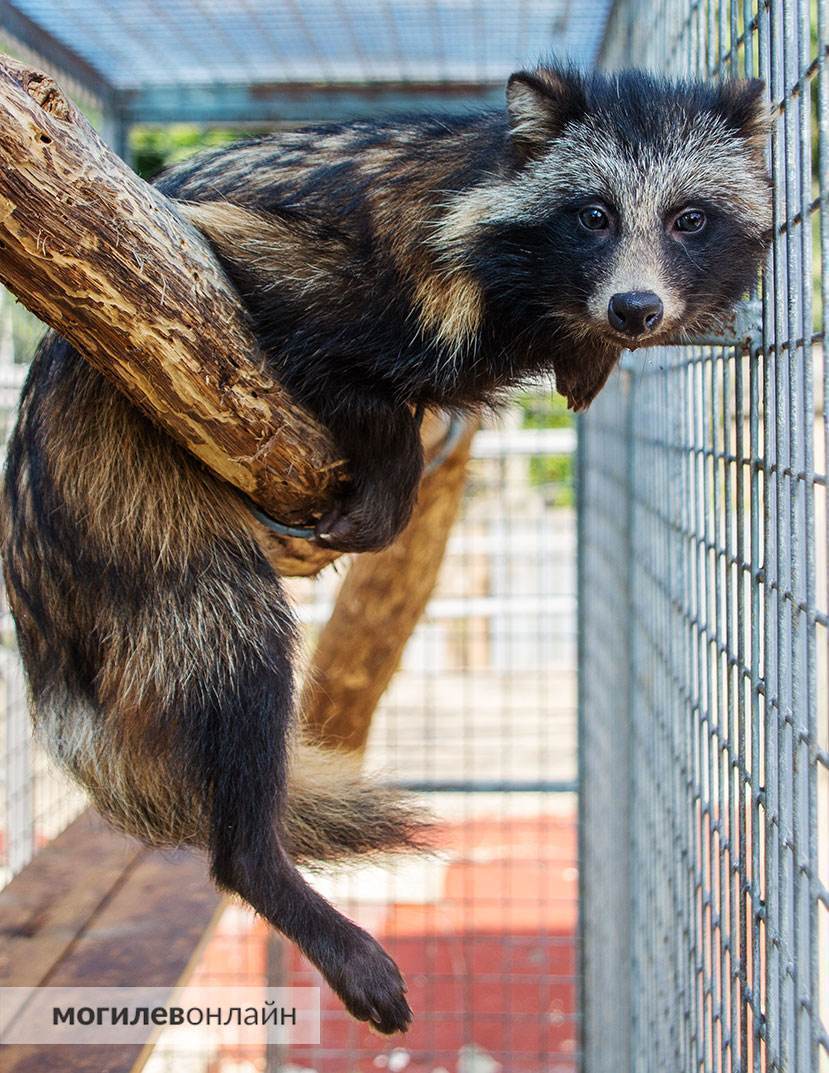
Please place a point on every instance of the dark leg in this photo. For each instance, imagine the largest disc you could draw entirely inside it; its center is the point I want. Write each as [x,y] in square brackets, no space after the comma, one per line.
[236,718]
[354,964]
[385,461]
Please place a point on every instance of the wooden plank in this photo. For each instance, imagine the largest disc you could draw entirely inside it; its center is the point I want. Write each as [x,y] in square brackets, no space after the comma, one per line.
[149,931]
[146,928]
[46,906]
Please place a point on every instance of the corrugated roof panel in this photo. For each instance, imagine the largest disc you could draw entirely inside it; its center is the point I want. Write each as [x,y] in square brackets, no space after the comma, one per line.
[139,43]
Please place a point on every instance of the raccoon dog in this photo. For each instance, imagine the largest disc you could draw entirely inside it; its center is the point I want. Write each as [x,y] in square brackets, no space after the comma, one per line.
[387,267]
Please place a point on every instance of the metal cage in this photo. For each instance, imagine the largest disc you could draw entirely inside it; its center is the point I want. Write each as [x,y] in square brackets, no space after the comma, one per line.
[703,620]
[702,536]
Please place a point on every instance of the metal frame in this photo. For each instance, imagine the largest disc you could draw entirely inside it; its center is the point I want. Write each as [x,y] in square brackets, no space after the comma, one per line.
[716,621]
[232,104]
[265,104]
[483,721]
[89,89]
[54,53]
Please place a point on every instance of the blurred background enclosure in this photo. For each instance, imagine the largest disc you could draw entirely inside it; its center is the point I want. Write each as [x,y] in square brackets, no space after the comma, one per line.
[684,925]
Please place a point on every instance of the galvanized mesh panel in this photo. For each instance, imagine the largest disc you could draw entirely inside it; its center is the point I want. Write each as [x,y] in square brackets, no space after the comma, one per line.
[481,718]
[35,802]
[704,624]
[603,547]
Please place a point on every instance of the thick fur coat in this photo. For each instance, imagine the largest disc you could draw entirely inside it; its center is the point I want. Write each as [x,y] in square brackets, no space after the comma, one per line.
[387,267]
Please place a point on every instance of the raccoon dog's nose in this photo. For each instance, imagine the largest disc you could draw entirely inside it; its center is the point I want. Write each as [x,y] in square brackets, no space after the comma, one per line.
[635,312]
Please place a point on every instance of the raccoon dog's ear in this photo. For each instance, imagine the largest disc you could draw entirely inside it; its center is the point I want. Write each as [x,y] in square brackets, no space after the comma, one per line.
[540,104]
[745,108]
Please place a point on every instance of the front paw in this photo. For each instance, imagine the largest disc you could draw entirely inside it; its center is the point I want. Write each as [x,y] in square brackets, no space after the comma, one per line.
[353,527]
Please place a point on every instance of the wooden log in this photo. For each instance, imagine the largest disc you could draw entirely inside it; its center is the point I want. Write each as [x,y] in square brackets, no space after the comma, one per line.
[108,262]
[378,606]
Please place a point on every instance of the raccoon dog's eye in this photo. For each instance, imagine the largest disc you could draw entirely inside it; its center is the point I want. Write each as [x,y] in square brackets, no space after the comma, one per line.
[594,218]
[690,221]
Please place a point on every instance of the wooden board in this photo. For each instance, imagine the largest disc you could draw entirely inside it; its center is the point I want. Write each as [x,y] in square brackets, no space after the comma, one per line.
[97,909]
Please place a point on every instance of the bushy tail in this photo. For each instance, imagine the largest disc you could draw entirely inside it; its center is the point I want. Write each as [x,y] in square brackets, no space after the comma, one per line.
[334,813]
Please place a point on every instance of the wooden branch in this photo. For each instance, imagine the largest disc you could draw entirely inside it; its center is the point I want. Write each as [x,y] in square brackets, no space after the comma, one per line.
[106,260]
[378,607]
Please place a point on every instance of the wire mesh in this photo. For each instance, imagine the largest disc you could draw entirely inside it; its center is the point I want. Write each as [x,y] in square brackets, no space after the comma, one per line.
[35,802]
[704,623]
[480,719]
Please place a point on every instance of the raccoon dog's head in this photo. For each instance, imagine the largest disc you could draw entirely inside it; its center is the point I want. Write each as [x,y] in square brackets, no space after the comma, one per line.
[634,211]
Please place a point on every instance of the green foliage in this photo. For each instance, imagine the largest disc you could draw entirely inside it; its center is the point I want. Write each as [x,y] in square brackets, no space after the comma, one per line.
[155,148]
[545,411]
[551,472]
[27,331]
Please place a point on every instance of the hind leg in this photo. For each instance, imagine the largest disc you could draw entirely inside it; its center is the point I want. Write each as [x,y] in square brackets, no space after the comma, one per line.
[353,963]
[237,715]
[246,768]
